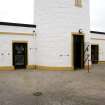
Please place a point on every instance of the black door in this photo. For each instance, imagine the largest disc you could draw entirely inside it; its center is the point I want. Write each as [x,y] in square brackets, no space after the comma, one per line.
[20,55]
[94,54]
[78,52]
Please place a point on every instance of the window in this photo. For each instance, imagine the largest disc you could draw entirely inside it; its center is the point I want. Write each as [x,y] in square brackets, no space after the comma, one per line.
[78,3]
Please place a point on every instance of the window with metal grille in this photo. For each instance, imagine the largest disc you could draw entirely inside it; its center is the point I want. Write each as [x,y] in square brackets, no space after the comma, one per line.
[78,3]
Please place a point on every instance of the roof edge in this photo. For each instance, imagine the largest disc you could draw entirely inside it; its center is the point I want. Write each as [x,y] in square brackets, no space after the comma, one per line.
[97,32]
[17,24]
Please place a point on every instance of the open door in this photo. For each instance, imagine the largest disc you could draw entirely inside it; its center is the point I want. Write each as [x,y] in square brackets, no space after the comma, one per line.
[20,55]
[78,51]
[94,54]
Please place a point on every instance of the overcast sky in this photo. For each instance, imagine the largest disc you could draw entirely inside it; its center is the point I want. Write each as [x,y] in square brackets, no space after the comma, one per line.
[18,11]
[21,11]
[97,14]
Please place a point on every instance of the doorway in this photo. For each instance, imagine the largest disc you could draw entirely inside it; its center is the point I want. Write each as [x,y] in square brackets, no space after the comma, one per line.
[94,54]
[78,51]
[20,55]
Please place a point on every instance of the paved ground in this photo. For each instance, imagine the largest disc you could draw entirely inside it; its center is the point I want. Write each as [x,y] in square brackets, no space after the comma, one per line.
[58,88]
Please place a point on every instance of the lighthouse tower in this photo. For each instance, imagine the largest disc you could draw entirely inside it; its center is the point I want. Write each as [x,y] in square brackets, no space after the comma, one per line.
[63,38]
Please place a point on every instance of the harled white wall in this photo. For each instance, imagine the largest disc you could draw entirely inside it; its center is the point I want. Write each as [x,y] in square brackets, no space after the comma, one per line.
[99,39]
[55,20]
[6,44]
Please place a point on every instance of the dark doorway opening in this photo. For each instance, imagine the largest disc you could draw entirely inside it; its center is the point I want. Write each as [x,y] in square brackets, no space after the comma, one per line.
[78,51]
[94,54]
[20,55]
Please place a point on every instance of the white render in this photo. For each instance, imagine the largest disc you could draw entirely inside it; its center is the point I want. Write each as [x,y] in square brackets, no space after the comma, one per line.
[99,39]
[7,40]
[56,20]
[52,43]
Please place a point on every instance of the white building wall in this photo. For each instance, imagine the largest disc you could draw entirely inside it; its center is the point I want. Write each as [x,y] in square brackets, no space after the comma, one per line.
[99,39]
[55,20]
[7,40]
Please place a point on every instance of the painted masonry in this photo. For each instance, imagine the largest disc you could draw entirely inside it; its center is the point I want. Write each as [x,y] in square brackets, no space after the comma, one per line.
[57,22]
[60,40]
[15,33]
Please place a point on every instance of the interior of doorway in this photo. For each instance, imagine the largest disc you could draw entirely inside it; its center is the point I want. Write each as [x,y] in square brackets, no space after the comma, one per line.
[78,51]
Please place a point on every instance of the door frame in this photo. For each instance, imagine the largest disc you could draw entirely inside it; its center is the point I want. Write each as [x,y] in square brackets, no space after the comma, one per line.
[73,34]
[24,42]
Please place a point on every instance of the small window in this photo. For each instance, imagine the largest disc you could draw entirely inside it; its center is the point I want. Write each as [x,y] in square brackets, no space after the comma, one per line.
[78,3]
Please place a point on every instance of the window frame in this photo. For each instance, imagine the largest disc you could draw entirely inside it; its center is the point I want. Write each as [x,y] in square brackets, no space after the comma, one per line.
[78,3]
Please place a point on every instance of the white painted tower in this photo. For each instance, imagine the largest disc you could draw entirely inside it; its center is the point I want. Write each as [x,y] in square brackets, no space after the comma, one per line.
[57,21]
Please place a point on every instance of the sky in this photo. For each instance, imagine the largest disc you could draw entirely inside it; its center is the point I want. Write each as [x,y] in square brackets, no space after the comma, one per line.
[18,11]
[97,15]
[21,11]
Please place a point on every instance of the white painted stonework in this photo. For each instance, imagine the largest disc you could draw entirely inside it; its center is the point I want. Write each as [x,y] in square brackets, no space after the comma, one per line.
[6,41]
[99,39]
[56,20]
[52,46]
